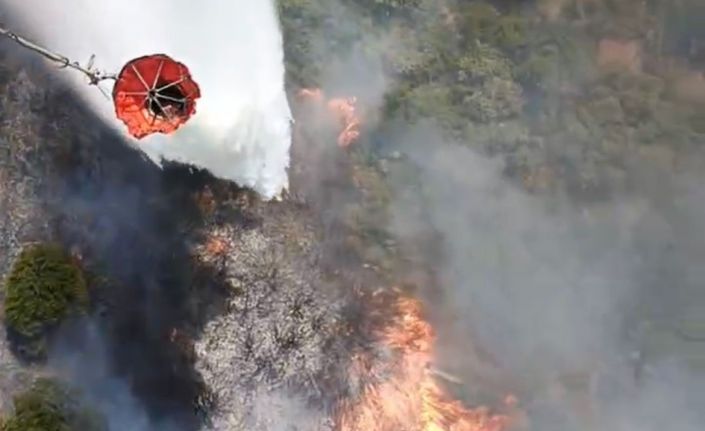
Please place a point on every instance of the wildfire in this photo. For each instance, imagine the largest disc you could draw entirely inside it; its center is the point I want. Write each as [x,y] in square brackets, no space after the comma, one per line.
[217,245]
[409,398]
[344,111]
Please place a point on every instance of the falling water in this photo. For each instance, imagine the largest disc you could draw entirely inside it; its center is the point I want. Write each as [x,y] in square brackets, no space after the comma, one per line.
[241,130]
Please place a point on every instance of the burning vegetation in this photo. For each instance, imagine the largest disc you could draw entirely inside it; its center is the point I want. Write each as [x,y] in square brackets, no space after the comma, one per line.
[343,111]
[288,328]
[404,393]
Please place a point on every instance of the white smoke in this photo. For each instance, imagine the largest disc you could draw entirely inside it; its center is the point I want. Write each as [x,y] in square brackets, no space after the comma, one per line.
[241,130]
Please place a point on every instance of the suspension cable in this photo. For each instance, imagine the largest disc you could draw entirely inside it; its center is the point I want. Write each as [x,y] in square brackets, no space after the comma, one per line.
[94,76]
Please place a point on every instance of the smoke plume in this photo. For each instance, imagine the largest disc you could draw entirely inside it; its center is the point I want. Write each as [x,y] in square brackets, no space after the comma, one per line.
[241,131]
[552,293]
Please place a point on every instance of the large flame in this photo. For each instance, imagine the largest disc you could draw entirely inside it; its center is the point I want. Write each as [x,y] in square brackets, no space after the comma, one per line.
[409,398]
[344,110]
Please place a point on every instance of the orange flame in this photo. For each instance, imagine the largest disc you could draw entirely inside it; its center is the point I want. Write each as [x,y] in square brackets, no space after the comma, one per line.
[344,111]
[216,246]
[410,399]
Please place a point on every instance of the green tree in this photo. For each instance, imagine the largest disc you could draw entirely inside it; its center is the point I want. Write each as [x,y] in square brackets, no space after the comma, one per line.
[50,406]
[44,286]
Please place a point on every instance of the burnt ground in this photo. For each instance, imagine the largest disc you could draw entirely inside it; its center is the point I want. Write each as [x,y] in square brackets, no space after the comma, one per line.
[66,178]
[140,231]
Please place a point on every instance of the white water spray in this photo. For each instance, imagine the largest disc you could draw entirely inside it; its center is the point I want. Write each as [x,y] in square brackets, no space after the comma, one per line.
[241,129]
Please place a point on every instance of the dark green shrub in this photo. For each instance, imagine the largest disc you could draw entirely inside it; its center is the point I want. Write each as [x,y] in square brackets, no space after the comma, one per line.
[50,406]
[43,287]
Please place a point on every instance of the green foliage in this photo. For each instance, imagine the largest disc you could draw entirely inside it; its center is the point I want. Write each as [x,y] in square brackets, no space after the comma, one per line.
[429,101]
[485,62]
[555,55]
[477,86]
[385,8]
[487,90]
[50,406]
[43,287]
[510,84]
[480,21]
[638,95]
[34,412]
[497,99]
[317,33]
[299,20]
[632,108]
[409,59]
